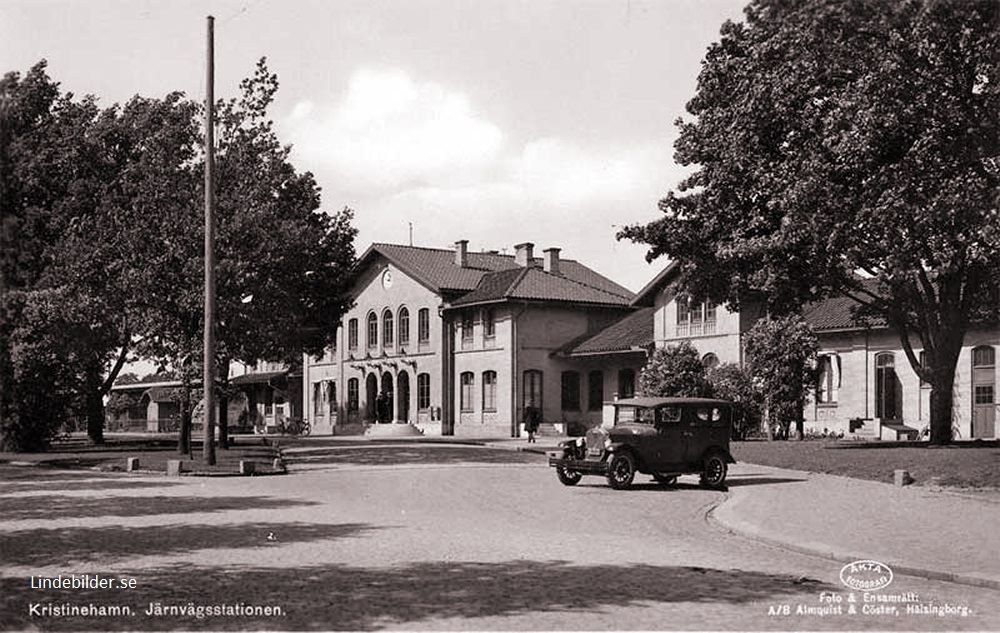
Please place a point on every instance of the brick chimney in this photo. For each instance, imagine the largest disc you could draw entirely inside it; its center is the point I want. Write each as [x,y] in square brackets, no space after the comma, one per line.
[523,254]
[551,260]
[462,253]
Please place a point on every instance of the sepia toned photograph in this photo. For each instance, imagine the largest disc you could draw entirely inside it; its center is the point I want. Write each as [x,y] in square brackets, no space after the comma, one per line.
[499,315]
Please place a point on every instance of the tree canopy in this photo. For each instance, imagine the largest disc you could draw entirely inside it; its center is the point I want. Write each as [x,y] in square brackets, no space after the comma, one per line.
[833,141]
[103,243]
[674,370]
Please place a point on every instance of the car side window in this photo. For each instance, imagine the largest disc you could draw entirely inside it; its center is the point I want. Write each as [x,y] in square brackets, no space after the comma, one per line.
[669,415]
[645,416]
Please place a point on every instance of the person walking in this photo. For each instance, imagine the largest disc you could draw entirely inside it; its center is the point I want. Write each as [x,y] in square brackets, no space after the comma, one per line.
[531,419]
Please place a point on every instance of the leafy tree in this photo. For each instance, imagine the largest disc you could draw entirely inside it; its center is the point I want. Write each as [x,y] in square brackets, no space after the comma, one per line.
[674,370]
[781,357]
[105,210]
[53,170]
[836,137]
[732,382]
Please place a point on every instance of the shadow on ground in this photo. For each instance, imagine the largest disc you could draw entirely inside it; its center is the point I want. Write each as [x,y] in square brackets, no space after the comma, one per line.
[348,598]
[68,546]
[64,506]
[410,455]
[55,485]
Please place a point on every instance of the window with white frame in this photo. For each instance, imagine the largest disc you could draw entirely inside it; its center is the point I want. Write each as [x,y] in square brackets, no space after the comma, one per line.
[423,391]
[489,323]
[694,318]
[489,391]
[424,325]
[372,330]
[468,326]
[468,385]
[353,399]
[352,334]
[828,385]
[388,329]
[404,326]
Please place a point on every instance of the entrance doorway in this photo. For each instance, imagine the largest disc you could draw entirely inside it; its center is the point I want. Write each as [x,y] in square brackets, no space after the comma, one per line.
[403,397]
[371,395]
[888,389]
[984,376]
[387,391]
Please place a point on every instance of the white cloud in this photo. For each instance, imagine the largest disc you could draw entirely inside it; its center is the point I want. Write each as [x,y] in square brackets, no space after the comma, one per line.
[404,152]
[390,132]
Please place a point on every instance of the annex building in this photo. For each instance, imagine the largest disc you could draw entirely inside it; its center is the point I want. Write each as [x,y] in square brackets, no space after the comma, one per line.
[867,387]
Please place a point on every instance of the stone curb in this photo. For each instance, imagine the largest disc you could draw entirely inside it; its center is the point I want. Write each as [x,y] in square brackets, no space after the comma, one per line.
[745,529]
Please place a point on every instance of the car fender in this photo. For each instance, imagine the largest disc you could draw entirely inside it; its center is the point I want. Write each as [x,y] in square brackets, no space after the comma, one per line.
[718,449]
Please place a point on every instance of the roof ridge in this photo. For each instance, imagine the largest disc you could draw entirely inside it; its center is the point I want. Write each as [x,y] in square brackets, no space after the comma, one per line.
[584,284]
[439,249]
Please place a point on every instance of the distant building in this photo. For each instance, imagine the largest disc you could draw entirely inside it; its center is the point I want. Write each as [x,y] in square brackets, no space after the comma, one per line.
[469,343]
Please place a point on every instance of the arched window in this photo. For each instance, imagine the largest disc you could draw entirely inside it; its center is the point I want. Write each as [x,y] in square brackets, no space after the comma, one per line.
[372,340]
[489,391]
[888,389]
[468,383]
[404,326]
[710,361]
[388,330]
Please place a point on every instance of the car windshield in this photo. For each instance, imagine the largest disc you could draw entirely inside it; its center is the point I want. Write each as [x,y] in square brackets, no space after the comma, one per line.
[636,415]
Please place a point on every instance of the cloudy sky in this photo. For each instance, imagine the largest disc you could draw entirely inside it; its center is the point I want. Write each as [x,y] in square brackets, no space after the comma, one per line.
[495,121]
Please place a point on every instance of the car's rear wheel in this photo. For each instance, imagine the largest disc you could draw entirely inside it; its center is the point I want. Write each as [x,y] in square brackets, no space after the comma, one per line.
[713,473]
[568,477]
[665,480]
[621,471]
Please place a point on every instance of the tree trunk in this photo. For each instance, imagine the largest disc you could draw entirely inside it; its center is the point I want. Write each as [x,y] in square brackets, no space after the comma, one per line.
[942,404]
[943,365]
[184,434]
[223,420]
[767,419]
[94,405]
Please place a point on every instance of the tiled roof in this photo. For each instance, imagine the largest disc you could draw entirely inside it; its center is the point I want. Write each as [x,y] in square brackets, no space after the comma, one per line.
[491,276]
[632,332]
[838,313]
[534,284]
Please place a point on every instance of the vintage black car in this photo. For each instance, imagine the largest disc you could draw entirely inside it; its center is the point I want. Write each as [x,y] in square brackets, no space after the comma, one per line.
[662,437]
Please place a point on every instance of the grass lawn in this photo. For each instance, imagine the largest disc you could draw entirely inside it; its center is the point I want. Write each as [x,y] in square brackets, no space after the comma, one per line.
[153,453]
[962,465]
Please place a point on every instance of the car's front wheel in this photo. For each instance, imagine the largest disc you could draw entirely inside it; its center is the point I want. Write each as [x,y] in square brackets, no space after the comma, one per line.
[713,473]
[621,471]
[568,477]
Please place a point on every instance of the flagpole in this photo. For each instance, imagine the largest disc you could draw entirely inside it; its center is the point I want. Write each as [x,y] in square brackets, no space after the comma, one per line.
[208,384]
